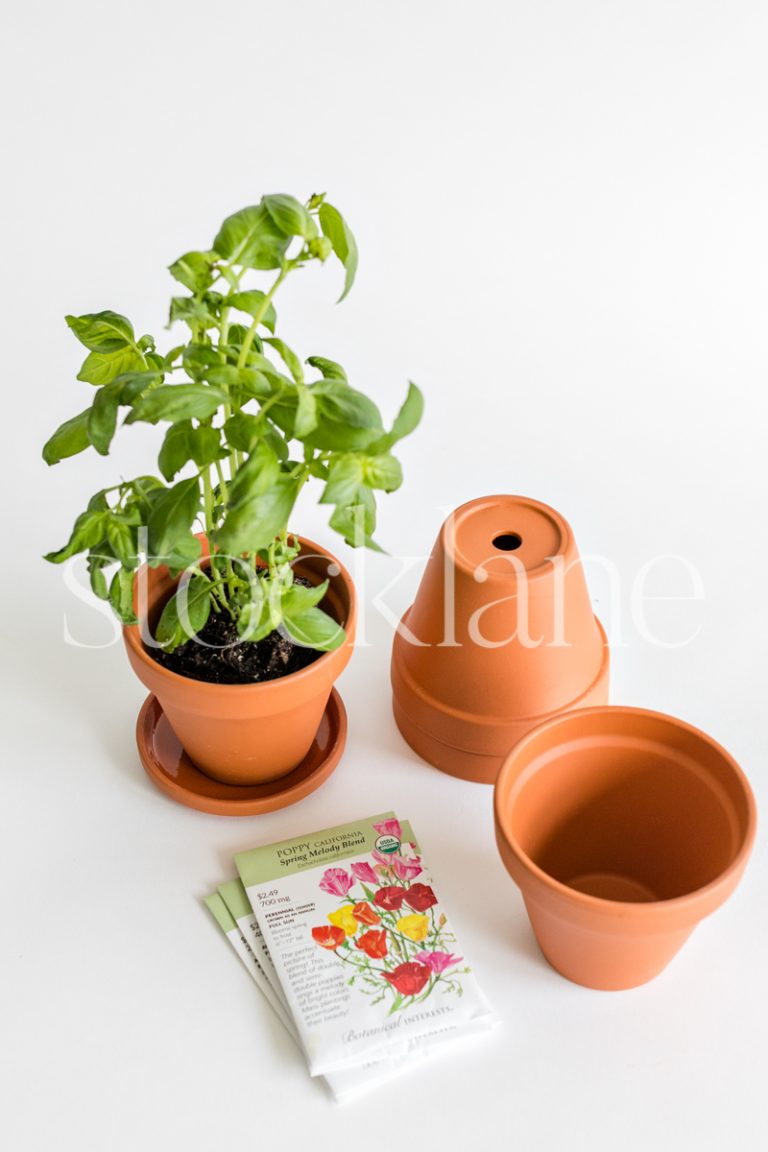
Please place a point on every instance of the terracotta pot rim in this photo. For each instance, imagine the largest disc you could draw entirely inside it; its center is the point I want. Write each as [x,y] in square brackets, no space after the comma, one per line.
[539,572]
[689,901]
[132,638]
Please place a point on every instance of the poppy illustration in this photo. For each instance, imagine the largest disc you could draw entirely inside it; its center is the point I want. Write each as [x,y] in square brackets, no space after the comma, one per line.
[438,961]
[420,897]
[329,936]
[344,918]
[363,871]
[373,943]
[389,828]
[409,979]
[365,914]
[390,897]
[415,927]
[406,869]
[336,882]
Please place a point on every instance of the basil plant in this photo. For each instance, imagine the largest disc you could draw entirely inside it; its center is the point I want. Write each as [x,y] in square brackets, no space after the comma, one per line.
[244,430]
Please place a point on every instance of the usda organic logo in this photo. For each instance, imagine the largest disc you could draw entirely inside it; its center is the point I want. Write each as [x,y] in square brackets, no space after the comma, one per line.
[387,844]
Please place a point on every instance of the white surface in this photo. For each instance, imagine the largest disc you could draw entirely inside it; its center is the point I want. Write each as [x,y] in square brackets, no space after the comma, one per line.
[561,210]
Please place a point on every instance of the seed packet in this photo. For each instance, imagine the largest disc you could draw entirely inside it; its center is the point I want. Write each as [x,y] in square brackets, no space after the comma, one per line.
[246,940]
[224,913]
[236,899]
[363,948]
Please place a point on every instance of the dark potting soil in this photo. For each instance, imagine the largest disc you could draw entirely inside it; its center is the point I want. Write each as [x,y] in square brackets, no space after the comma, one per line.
[218,655]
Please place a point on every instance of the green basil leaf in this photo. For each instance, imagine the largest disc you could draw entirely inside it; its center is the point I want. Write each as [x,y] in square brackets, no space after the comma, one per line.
[69,438]
[329,368]
[406,420]
[236,333]
[283,405]
[345,475]
[99,586]
[121,596]
[318,469]
[175,402]
[276,442]
[290,216]
[121,540]
[255,620]
[88,531]
[102,367]
[336,229]
[176,449]
[382,471]
[207,446]
[255,523]
[255,477]
[297,599]
[171,357]
[288,356]
[193,312]
[98,502]
[252,239]
[186,613]
[242,431]
[242,383]
[253,385]
[194,270]
[145,490]
[135,384]
[183,443]
[356,522]
[315,629]
[198,358]
[172,515]
[410,414]
[102,331]
[103,418]
[253,303]
[187,550]
[306,413]
[347,420]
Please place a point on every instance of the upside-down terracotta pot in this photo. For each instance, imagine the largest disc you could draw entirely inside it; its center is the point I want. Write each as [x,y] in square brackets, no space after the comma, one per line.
[247,733]
[501,636]
[623,828]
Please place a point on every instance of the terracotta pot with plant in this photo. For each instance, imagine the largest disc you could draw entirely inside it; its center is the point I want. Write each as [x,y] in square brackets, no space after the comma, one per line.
[239,629]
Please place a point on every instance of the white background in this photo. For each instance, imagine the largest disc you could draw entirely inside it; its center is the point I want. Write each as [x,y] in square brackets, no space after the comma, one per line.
[561,212]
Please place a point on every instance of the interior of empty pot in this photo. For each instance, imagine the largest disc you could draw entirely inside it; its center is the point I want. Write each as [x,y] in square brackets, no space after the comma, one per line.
[631,817]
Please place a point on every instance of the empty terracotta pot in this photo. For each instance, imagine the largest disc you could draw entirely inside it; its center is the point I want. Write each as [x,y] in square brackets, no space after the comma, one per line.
[501,636]
[248,733]
[623,828]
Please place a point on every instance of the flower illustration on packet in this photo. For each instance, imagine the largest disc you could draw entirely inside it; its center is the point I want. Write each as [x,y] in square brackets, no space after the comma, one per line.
[388,928]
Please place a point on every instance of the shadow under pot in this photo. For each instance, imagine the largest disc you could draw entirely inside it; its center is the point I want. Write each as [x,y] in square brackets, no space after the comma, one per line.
[501,636]
[245,733]
[623,828]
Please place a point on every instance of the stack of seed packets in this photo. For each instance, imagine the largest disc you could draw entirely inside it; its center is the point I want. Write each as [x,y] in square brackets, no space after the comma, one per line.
[344,934]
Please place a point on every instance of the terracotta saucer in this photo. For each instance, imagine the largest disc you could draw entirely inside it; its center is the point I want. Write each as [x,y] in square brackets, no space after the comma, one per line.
[167,764]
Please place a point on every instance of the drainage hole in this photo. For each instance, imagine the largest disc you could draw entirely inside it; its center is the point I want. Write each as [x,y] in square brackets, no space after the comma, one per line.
[507,541]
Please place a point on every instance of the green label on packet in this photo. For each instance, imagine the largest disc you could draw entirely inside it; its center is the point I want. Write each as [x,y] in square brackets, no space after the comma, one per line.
[236,899]
[220,912]
[261,865]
